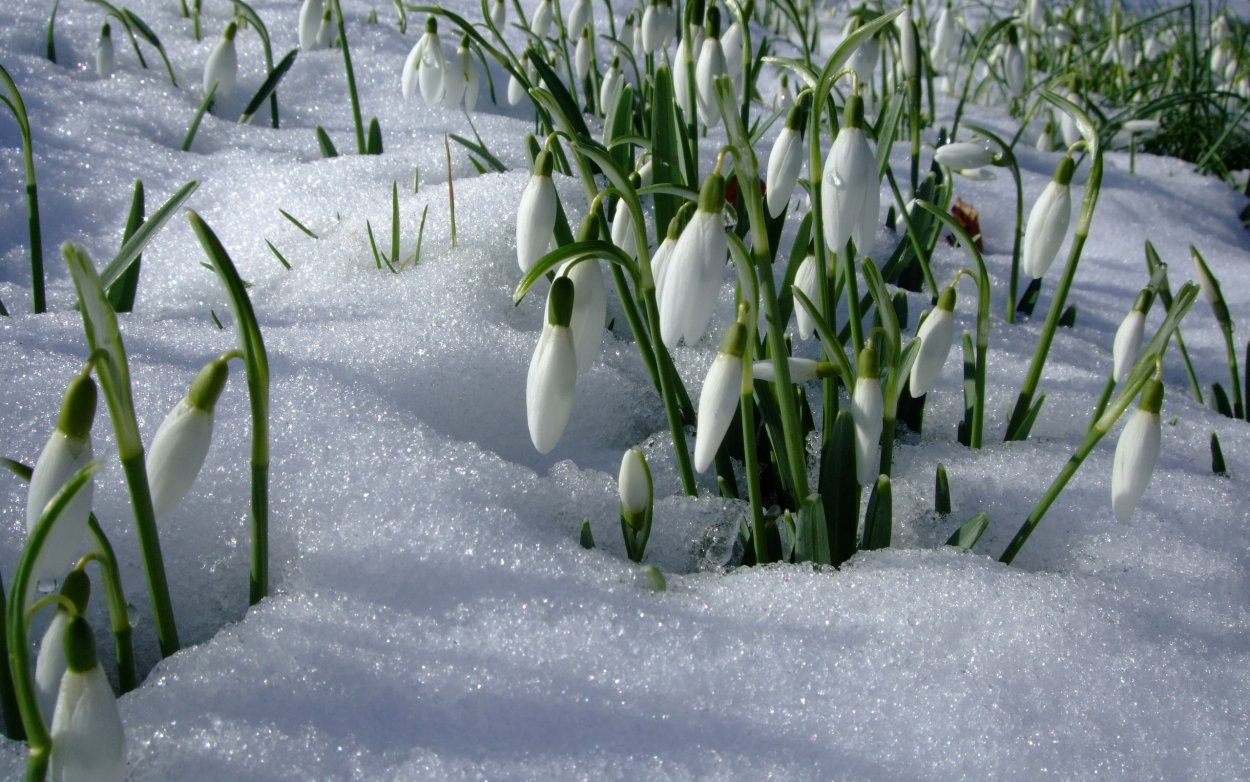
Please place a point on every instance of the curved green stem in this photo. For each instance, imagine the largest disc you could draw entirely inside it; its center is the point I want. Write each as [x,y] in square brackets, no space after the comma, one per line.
[18,108]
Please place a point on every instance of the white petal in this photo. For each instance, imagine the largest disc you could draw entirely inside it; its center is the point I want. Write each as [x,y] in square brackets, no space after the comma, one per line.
[1046,229]
[104,58]
[623,230]
[549,387]
[536,219]
[50,663]
[710,65]
[1135,456]
[540,22]
[935,334]
[807,280]
[431,71]
[310,23]
[177,454]
[784,164]
[851,192]
[692,280]
[408,80]
[632,482]
[867,408]
[590,310]
[1127,344]
[88,743]
[717,402]
[221,68]
[964,154]
[61,458]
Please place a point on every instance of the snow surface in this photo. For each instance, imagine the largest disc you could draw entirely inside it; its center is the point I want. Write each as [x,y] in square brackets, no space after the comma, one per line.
[433,616]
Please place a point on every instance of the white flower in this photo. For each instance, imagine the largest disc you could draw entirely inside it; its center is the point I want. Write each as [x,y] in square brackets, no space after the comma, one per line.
[731,46]
[964,154]
[868,410]
[310,23]
[1037,15]
[1128,337]
[801,370]
[453,83]
[67,451]
[50,663]
[683,92]
[692,277]
[590,310]
[181,443]
[806,279]
[536,214]
[104,53]
[945,39]
[325,33]
[850,192]
[711,65]
[623,230]
[540,22]
[1048,222]
[935,335]
[579,18]
[864,59]
[634,483]
[907,44]
[581,55]
[465,69]
[612,86]
[88,743]
[654,34]
[719,398]
[1014,69]
[431,65]
[222,64]
[553,371]
[516,90]
[498,14]
[1136,453]
[784,164]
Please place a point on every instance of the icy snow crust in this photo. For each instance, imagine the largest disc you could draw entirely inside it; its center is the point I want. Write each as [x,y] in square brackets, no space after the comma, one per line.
[433,616]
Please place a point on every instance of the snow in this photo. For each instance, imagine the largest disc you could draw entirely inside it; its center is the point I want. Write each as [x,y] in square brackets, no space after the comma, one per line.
[433,616]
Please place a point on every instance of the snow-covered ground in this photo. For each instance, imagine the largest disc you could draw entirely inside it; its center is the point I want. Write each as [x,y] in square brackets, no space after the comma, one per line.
[433,616]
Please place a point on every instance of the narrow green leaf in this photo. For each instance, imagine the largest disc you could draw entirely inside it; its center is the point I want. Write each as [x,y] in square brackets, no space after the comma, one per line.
[970,531]
[839,490]
[942,492]
[879,518]
[122,293]
[282,260]
[133,246]
[298,224]
[481,151]
[199,116]
[268,87]
[374,144]
[325,144]
[1217,456]
[587,539]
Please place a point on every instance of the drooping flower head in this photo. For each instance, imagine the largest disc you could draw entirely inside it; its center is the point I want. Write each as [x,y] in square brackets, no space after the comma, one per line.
[536,214]
[687,290]
[553,371]
[935,335]
[867,410]
[223,64]
[719,398]
[104,53]
[785,162]
[1048,221]
[181,443]
[1128,337]
[850,190]
[88,742]
[1137,452]
[50,663]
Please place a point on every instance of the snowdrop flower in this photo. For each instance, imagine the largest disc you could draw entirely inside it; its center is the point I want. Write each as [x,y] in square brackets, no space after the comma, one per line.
[222,64]
[623,230]
[687,291]
[965,154]
[1136,453]
[719,398]
[467,71]
[711,65]
[1128,337]
[579,18]
[553,371]
[581,55]
[68,450]
[628,31]
[850,192]
[88,743]
[540,22]
[1037,15]
[634,488]
[516,90]
[536,215]
[909,47]
[683,93]
[731,46]
[104,53]
[945,39]
[660,259]
[454,82]
[50,662]
[1067,125]
[1046,140]
[784,163]
[868,410]
[310,23]
[325,33]
[655,32]
[590,309]
[182,441]
[612,86]
[426,66]
[806,279]
[935,336]
[1013,65]
[864,59]
[498,14]
[801,370]
[1048,221]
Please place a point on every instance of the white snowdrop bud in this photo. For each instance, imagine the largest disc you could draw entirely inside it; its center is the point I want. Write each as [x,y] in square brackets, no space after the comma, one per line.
[1014,69]
[1128,337]
[536,215]
[1048,222]
[579,18]
[801,370]
[498,14]
[683,91]
[67,451]
[784,163]
[652,23]
[581,55]
[868,411]
[807,280]
[851,193]
[454,82]
[693,272]
[965,154]
[908,45]
[310,23]
[634,484]
[325,33]
[50,663]
[467,70]
[590,310]
[623,230]
[731,47]
[864,59]
[945,39]
[540,22]
[612,85]
[223,64]
[935,335]
[1136,453]
[431,65]
[88,743]
[104,53]
[181,443]
[553,371]
[516,90]
[719,398]
[1142,127]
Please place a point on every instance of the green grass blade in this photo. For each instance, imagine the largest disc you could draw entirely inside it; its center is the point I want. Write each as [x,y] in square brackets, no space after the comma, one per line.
[122,293]
[133,246]
[268,87]
[298,224]
[325,144]
[970,531]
